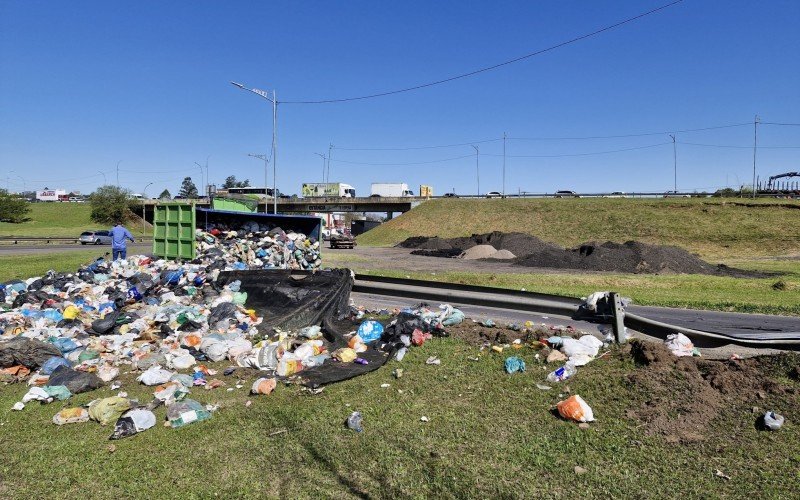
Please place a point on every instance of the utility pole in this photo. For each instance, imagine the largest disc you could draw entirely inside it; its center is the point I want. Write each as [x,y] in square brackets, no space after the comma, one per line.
[323,164]
[504,164]
[755,148]
[477,168]
[330,151]
[201,177]
[105,182]
[118,172]
[675,163]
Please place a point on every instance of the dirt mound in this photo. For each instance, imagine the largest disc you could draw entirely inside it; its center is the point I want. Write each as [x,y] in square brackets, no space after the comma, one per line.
[445,252]
[479,252]
[628,257]
[685,395]
[502,255]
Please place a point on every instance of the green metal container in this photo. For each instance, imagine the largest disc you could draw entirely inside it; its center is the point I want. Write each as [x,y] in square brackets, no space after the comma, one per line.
[173,231]
[235,205]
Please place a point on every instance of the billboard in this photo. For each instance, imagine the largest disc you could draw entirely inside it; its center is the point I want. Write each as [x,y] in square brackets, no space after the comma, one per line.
[311,190]
[50,194]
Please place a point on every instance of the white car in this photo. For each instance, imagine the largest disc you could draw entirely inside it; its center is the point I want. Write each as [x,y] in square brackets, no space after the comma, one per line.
[493,194]
[95,238]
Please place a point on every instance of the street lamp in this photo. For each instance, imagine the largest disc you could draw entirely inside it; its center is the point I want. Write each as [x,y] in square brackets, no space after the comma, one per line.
[144,197]
[201,177]
[274,101]
[675,163]
[477,167]
[266,182]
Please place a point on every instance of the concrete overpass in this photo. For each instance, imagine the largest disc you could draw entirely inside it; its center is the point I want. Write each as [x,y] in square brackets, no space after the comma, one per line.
[321,205]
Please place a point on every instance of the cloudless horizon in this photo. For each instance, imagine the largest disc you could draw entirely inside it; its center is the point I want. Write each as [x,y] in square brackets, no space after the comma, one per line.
[85,85]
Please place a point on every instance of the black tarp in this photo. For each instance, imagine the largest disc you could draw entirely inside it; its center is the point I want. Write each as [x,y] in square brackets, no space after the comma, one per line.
[291,300]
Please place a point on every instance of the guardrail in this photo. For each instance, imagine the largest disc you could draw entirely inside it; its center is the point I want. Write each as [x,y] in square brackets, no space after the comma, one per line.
[563,306]
[14,240]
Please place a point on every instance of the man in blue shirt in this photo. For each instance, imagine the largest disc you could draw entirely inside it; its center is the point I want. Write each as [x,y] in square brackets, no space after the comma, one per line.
[119,247]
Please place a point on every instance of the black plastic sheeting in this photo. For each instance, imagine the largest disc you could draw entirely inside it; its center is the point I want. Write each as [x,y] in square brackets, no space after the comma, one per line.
[291,300]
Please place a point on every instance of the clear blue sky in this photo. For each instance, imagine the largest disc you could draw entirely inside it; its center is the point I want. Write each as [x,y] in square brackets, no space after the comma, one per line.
[84,85]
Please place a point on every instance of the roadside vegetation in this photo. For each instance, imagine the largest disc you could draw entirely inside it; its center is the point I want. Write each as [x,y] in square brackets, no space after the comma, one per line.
[714,228]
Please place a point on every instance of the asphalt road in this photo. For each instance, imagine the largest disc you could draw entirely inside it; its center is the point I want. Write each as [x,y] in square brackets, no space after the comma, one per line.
[693,319]
[133,248]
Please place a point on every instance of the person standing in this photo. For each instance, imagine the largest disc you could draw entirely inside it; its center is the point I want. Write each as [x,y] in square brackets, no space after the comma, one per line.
[119,235]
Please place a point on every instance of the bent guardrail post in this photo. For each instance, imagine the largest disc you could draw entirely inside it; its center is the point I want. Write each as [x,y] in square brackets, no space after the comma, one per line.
[618,315]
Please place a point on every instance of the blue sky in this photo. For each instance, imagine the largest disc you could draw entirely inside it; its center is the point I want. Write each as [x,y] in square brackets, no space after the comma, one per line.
[84,85]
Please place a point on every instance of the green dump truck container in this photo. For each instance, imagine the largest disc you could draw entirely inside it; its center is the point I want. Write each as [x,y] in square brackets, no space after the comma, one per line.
[174,226]
[235,205]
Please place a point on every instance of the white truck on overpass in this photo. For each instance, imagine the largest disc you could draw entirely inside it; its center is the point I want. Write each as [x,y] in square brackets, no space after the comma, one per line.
[391,190]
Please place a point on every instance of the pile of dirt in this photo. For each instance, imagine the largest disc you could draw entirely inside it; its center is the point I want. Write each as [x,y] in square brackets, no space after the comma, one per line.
[685,395]
[450,253]
[628,257]
[479,252]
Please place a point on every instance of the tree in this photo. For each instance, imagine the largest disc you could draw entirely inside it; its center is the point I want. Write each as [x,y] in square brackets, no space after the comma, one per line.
[165,195]
[231,182]
[188,189]
[111,204]
[13,208]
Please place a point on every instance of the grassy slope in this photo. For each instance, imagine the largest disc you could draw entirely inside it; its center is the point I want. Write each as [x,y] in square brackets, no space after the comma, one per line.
[710,227]
[490,435]
[57,220]
[26,266]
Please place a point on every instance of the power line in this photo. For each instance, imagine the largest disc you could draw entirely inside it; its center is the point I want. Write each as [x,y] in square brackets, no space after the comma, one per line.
[781,124]
[489,68]
[421,147]
[402,164]
[737,147]
[643,134]
[583,154]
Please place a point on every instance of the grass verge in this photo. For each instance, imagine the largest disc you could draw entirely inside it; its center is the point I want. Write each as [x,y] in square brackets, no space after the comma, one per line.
[65,220]
[27,266]
[489,435]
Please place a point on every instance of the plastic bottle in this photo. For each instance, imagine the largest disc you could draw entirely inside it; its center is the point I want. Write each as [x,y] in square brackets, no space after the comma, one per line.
[562,373]
[354,421]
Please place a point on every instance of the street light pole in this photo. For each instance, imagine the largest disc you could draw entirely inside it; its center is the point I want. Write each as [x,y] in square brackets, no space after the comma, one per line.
[118,172]
[755,147]
[266,182]
[144,197]
[477,168]
[274,101]
[201,176]
[504,164]
[330,151]
[675,163]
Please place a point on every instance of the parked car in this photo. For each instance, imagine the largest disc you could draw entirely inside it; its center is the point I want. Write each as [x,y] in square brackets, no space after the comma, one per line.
[95,238]
[567,194]
[615,194]
[450,195]
[493,194]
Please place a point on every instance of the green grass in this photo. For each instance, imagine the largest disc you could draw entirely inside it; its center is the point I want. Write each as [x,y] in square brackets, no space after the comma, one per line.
[58,220]
[692,291]
[490,435]
[27,266]
[712,228]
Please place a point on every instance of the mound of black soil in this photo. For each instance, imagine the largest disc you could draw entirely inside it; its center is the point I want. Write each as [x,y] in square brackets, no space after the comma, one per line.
[628,257]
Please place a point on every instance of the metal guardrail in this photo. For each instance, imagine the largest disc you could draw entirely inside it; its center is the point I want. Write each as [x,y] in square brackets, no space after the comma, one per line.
[559,305]
[55,239]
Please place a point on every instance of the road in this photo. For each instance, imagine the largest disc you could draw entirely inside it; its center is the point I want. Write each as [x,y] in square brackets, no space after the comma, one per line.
[133,248]
[726,322]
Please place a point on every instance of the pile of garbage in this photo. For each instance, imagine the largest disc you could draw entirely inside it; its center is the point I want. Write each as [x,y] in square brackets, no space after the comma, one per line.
[251,245]
[70,333]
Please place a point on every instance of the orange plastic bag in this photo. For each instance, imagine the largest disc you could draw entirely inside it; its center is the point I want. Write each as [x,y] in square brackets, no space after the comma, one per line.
[575,408]
[263,386]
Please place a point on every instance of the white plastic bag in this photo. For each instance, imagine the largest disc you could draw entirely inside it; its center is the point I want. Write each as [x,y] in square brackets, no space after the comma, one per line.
[154,375]
[679,344]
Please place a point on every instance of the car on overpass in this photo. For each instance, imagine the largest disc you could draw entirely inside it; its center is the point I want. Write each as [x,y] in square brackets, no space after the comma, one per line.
[566,194]
[494,194]
[450,195]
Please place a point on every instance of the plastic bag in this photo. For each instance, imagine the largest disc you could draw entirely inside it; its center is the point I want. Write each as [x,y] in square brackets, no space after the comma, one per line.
[108,410]
[154,375]
[263,386]
[185,412]
[77,382]
[71,416]
[679,344]
[370,331]
[133,422]
[51,364]
[575,408]
[514,364]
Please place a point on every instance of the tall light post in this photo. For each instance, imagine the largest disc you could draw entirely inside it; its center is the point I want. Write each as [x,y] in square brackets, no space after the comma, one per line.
[330,151]
[274,101]
[477,168]
[8,180]
[118,172]
[266,182]
[202,185]
[675,163]
[323,164]
[504,164]
[144,197]
[755,147]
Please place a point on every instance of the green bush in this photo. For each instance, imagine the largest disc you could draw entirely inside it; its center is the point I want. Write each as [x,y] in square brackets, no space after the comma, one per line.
[13,208]
[111,204]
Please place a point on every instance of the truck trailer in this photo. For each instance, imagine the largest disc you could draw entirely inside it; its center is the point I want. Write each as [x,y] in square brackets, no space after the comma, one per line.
[391,189]
[328,190]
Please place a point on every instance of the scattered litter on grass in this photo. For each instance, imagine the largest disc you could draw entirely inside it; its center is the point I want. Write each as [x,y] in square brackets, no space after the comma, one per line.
[355,422]
[773,421]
